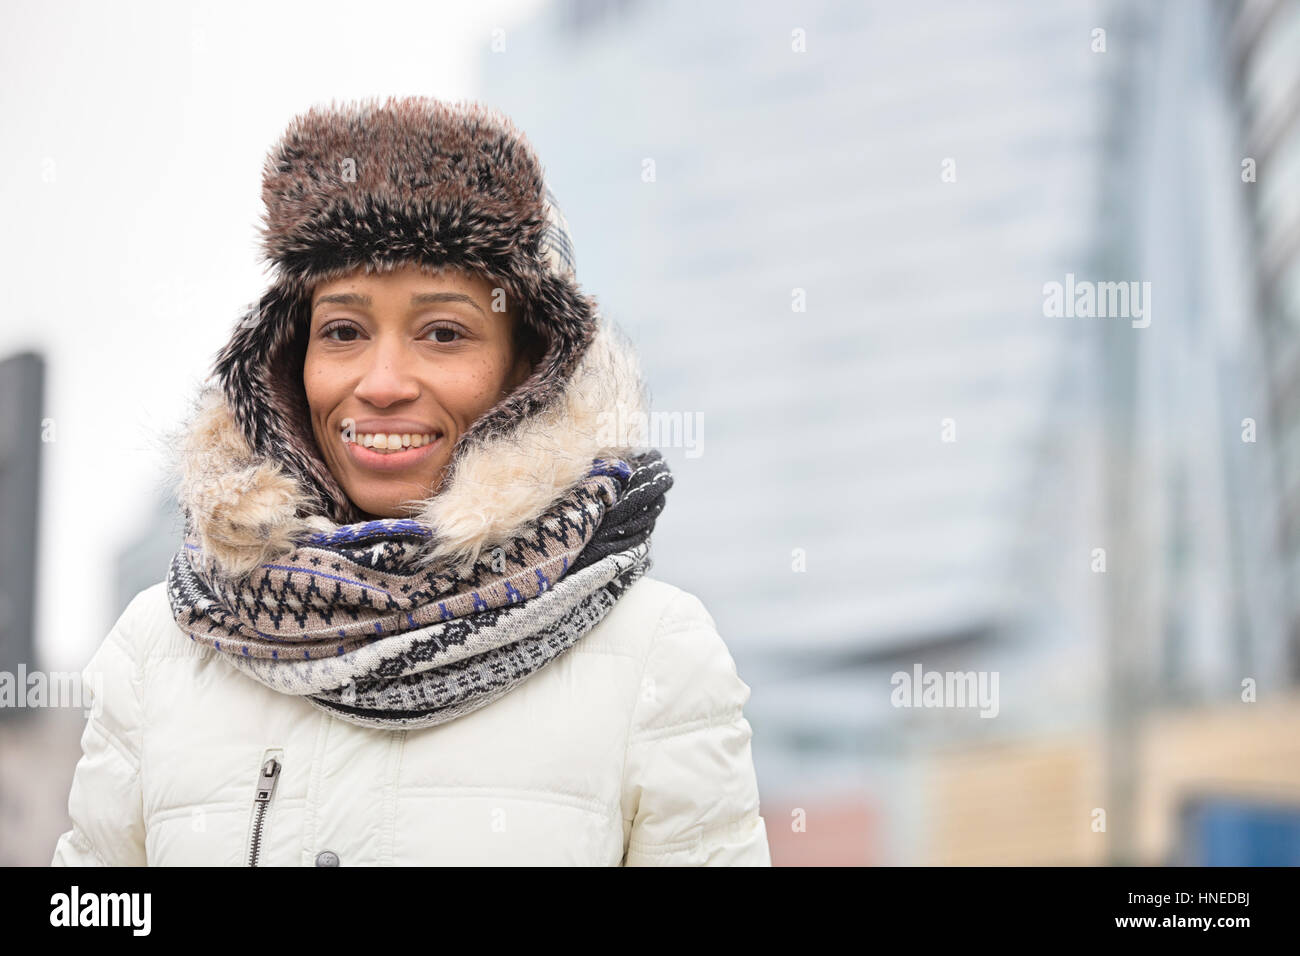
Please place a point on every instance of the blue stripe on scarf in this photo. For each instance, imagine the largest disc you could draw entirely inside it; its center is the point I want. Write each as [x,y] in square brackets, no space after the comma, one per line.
[610,469]
[352,533]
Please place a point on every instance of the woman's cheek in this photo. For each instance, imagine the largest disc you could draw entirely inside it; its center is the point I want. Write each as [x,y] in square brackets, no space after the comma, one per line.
[471,389]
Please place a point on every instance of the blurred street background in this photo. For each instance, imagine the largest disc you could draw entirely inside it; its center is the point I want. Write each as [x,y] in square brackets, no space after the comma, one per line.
[834,232]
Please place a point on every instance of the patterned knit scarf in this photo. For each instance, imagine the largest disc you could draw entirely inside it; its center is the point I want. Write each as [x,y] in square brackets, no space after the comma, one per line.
[355,621]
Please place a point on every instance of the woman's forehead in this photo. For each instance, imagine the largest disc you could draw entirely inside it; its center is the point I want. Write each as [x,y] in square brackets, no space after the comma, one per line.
[406,272]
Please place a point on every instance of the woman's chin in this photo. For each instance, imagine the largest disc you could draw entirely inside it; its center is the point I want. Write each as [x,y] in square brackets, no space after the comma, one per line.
[376,503]
[374,511]
[388,496]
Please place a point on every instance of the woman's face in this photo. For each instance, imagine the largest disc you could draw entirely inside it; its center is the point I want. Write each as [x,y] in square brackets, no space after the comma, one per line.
[408,354]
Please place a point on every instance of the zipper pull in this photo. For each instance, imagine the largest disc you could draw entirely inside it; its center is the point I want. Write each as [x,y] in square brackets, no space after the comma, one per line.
[266,780]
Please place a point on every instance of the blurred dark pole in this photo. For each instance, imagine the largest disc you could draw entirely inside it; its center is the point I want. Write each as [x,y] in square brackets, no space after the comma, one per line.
[22,388]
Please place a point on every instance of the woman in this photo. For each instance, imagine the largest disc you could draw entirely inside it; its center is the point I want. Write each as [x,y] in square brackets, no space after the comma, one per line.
[410,621]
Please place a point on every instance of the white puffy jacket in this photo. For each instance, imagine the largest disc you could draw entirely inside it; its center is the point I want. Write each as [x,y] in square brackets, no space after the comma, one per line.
[629,749]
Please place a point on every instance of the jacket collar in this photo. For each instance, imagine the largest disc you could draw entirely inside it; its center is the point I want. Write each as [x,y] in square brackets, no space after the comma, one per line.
[245,510]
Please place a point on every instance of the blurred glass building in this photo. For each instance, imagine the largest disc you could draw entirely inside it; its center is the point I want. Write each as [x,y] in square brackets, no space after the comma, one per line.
[831,232]
[1264,66]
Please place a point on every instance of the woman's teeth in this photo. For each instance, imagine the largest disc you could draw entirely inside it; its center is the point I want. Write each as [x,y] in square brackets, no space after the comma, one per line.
[392,442]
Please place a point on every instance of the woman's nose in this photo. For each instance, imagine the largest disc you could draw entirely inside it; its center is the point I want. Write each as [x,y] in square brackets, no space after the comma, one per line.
[390,374]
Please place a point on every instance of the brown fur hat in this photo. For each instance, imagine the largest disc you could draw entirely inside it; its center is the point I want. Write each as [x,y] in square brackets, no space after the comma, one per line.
[373,185]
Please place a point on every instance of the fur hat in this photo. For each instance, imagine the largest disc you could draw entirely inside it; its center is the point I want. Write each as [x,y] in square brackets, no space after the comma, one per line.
[371,185]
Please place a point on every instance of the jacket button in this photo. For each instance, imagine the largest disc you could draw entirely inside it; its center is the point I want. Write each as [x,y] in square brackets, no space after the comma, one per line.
[327,858]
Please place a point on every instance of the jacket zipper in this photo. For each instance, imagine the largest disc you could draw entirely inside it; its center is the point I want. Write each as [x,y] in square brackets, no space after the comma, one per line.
[267,777]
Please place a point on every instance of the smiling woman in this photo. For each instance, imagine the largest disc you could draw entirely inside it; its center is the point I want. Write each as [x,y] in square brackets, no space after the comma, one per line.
[411,611]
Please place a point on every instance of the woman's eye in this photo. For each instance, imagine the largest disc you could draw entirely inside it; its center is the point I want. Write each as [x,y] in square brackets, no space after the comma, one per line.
[329,333]
[444,330]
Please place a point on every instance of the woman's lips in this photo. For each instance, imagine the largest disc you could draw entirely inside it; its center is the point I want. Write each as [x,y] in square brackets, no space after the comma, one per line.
[391,461]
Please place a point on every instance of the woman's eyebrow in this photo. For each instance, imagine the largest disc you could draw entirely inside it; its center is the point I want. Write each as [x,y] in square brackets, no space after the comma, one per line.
[418,298]
[343,298]
[434,298]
